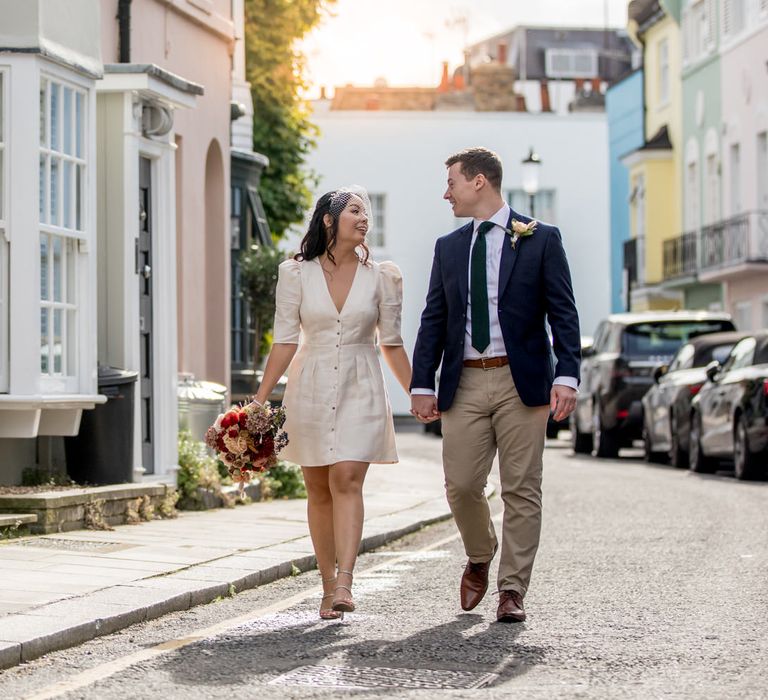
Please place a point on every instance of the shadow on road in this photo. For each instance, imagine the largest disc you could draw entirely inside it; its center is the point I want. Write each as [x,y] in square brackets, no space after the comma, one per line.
[275,645]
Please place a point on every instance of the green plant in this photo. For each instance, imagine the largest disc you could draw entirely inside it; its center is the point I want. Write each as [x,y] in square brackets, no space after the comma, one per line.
[284,480]
[197,469]
[167,507]
[258,270]
[39,476]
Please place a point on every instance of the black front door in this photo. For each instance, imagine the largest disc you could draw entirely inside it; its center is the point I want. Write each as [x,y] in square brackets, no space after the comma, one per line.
[144,269]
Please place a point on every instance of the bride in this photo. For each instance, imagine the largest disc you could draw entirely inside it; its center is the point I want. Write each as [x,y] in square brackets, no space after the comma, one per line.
[331,302]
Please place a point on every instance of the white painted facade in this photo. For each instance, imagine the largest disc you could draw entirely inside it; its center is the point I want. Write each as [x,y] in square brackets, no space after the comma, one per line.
[400,155]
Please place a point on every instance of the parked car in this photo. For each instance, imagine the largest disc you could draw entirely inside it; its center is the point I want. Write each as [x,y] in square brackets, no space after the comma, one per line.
[667,404]
[553,426]
[618,370]
[730,413]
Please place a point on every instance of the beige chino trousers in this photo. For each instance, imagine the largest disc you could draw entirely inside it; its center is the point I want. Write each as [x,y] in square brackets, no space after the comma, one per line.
[487,416]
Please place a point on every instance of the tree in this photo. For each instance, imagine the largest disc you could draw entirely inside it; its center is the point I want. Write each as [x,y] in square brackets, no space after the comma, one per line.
[282,129]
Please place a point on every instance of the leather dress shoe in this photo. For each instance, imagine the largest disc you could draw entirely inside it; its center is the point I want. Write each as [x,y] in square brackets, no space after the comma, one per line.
[510,607]
[474,584]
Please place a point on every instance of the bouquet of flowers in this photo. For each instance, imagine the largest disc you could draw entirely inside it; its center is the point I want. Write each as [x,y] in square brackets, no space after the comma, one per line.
[247,439]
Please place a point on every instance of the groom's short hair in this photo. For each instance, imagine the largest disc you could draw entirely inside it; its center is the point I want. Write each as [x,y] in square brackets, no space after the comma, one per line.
[476,161]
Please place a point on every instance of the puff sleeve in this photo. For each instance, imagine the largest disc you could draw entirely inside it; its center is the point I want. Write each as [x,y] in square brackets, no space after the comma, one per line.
[390,304]
[287,302]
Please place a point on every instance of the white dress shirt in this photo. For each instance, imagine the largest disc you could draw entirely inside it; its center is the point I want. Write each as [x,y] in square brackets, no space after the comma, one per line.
[494,244]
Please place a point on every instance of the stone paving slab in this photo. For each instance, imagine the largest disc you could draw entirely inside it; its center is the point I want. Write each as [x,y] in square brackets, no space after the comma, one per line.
[83,584]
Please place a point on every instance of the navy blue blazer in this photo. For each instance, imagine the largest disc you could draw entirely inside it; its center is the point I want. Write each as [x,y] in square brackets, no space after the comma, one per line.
[534,284]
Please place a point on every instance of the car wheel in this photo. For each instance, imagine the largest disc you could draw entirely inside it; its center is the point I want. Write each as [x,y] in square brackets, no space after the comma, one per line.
[651,455]
[581,442]
[605,443]
[745,462]
[698,461]
[678,457]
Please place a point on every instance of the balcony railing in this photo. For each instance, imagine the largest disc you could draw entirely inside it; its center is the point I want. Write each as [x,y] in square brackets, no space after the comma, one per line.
[740,239]
[680,256]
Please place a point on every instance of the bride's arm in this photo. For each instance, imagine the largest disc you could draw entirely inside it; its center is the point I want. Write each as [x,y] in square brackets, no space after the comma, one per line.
[397,360]
[277,362]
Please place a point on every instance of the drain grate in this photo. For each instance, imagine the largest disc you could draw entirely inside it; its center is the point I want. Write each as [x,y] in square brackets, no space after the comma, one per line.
[379,677]
[71,545]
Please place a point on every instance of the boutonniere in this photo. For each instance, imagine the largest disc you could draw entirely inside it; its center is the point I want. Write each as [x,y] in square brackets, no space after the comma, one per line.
[520,230]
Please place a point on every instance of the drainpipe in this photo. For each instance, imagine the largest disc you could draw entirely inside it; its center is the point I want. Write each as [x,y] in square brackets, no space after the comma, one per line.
[124,24]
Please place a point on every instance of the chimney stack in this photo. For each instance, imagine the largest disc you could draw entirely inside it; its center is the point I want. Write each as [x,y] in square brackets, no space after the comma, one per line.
[444,80]
[545,103]
[501,53]
[322,92]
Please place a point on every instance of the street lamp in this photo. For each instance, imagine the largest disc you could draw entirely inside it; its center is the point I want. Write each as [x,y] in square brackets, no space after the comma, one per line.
[531,168]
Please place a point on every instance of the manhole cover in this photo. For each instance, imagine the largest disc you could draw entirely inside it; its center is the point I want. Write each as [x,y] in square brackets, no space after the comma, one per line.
[71,545]
[379,677]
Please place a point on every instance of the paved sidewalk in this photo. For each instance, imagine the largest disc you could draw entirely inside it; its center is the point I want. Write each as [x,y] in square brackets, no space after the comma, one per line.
[60,590]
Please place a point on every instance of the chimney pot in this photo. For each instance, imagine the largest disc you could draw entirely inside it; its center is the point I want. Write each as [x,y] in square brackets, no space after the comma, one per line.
[501,53]
[445,82]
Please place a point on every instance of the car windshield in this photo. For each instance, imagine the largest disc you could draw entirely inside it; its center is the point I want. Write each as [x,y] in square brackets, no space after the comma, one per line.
[660,340]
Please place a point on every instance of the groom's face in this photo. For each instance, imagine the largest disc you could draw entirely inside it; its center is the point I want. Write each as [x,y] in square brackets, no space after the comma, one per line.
[461,193]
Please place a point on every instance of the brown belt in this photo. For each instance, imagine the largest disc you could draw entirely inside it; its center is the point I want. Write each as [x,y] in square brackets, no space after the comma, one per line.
[487,362]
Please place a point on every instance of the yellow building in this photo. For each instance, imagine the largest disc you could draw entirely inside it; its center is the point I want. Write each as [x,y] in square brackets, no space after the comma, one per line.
[655,167]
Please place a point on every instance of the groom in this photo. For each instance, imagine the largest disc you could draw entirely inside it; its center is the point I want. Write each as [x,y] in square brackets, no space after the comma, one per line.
[494,284]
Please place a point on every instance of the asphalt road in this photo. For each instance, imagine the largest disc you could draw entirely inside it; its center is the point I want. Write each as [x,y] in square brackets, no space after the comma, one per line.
[650,583]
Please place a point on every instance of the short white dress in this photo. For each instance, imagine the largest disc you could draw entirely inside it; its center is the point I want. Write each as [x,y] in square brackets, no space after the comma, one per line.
[336,401]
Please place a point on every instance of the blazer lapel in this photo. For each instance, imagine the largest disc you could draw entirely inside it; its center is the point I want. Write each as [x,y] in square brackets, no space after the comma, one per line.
[508,255]
[462,260]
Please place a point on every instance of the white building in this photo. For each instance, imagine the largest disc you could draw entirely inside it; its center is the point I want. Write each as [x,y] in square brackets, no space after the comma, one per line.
[399,157]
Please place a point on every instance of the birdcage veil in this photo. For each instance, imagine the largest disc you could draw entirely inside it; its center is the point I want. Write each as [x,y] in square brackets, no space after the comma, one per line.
[340,198]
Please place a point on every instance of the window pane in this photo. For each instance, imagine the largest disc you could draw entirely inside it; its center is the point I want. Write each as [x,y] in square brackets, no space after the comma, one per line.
[43,179]
[71,341]
[44,267]
[79,117]
[58,340]
[79,197]
[67,121]
[58,267]
[55,122]
[70,272]
[44,347]
[54,192]
[43,116]
[1,177]
[67,197]
[1,107]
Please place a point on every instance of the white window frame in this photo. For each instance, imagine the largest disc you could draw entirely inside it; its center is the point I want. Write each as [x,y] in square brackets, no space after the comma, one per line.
[761,156]
[692,198]
[573,55]
[544,210]
[378,234]
[734,176]
[663,72]
[4,200]
[70,234]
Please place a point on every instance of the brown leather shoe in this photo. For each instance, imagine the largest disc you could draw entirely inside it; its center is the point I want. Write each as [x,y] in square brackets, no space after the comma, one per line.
[474,584]
[510,607]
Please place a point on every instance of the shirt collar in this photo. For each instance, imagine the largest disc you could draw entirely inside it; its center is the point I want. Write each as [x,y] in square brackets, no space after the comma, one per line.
[500,218]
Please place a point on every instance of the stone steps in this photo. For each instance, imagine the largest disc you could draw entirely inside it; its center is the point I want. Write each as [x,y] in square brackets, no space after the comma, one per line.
[14,519]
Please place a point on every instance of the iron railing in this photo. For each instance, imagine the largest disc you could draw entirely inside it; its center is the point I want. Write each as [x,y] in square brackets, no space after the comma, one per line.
[680,256]
[740,239]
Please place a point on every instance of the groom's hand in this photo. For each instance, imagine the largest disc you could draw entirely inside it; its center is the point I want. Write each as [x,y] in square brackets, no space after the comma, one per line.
[424,408]
[562,401]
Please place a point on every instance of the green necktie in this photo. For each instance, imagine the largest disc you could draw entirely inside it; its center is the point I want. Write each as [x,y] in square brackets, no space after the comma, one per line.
[478,291]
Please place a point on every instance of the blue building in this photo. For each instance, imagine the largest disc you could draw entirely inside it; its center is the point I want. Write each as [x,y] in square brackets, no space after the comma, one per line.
[624,108]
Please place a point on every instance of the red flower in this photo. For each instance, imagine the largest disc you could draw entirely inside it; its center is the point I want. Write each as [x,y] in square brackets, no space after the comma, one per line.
[233,433]
[242,418]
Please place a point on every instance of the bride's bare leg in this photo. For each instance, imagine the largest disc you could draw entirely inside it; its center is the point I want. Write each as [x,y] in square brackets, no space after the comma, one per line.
[346,485]
[320,517]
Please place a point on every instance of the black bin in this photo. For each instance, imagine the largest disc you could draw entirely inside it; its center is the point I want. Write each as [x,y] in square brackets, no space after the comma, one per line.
[102,452]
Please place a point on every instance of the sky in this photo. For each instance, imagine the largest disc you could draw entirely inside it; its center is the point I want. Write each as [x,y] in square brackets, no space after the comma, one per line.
[406,41]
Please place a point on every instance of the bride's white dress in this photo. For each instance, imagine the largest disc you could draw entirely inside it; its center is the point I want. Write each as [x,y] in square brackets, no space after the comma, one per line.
[336,402]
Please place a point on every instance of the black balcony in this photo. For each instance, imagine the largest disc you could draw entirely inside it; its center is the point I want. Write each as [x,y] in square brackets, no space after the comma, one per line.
[735,241]
[680,256]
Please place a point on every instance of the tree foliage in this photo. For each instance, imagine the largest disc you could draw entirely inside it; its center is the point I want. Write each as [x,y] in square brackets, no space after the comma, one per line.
[282,129]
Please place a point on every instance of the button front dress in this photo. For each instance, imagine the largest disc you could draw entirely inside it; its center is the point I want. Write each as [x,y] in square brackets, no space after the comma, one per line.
[336,402]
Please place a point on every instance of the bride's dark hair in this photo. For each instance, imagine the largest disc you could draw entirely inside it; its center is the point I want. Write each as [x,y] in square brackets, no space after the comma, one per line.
[319,239]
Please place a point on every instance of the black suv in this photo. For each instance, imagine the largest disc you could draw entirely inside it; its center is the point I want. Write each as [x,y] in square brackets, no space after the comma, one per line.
[618,369]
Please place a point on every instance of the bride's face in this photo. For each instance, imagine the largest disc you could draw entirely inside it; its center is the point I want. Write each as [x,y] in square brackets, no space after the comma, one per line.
[353,223]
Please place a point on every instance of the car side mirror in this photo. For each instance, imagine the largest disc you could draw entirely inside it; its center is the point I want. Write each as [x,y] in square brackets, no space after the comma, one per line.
[659,372]
[712,370]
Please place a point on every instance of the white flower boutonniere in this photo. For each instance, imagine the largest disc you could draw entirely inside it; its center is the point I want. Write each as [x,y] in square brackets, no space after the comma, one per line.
[520,230]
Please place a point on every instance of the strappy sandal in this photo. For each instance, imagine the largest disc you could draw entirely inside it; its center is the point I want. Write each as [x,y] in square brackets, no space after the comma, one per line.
[344,603]
[329,613]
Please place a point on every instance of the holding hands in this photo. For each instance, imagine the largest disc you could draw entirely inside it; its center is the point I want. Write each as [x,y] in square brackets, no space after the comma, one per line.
[424,408]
